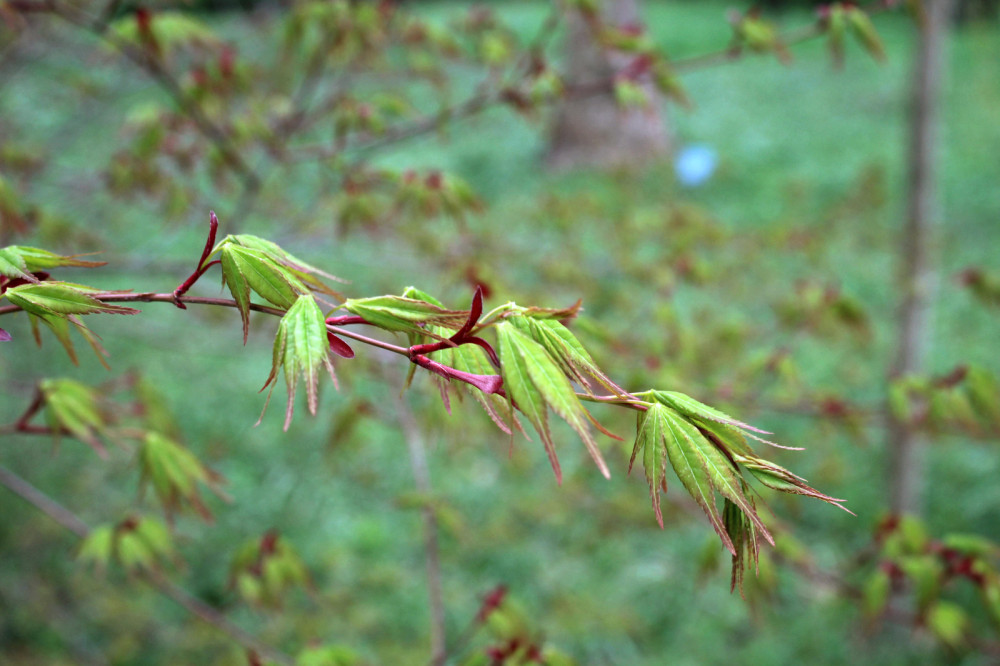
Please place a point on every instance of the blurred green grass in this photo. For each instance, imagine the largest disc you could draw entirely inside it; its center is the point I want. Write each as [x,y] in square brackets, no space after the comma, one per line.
[803,149]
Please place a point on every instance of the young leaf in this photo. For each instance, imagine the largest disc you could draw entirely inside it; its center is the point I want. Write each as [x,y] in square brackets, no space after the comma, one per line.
[273,282]
[573,359]
[864,30]
[406,315]
[522,391]
[37,259]
[60,327]
[301,347]
[536,377]
[303,271]
[650,440]
[13,266]
[778,478]
[699,460]
[746,546]
[473,360]
[60,299]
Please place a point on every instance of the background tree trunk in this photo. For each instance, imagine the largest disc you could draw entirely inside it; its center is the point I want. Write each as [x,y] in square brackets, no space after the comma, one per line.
[593,130]
[918,276]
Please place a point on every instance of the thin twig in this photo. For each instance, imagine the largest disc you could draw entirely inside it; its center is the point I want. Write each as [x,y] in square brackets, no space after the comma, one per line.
[154,579]
[158,73]
[422,479]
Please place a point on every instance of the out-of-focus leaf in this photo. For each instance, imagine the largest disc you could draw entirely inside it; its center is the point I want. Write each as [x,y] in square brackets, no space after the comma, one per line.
[175,472]
[876,593]
[137,543]
[924,571]
[73,407]
[949,623]
[867,35]
[265,569]
[327,655]
[983,392]
[301,347]
[97,548]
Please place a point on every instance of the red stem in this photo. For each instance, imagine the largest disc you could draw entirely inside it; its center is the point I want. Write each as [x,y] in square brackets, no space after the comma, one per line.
[213,228]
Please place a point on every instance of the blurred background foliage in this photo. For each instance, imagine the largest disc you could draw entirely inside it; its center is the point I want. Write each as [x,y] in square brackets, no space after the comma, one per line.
[768,290]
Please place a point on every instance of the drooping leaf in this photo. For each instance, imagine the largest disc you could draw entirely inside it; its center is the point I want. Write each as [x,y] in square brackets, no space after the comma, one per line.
[264,570]
[867,35]
[746,546]
[534,366]
[142,543]
[521,390]
[60,327]
[301,347]
[650,441]
[698,461]
[573,358]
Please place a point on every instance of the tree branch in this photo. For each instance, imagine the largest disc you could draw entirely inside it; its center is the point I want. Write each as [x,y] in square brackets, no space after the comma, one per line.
[156,580]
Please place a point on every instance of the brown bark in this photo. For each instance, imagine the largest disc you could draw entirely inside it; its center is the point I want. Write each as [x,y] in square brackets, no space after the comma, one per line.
[906,466]
[593,130]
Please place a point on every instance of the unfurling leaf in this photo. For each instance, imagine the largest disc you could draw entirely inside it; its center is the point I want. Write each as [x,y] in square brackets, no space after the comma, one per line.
[36,259]
[301,347]
[244,269]
[405,315]
[534,382]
